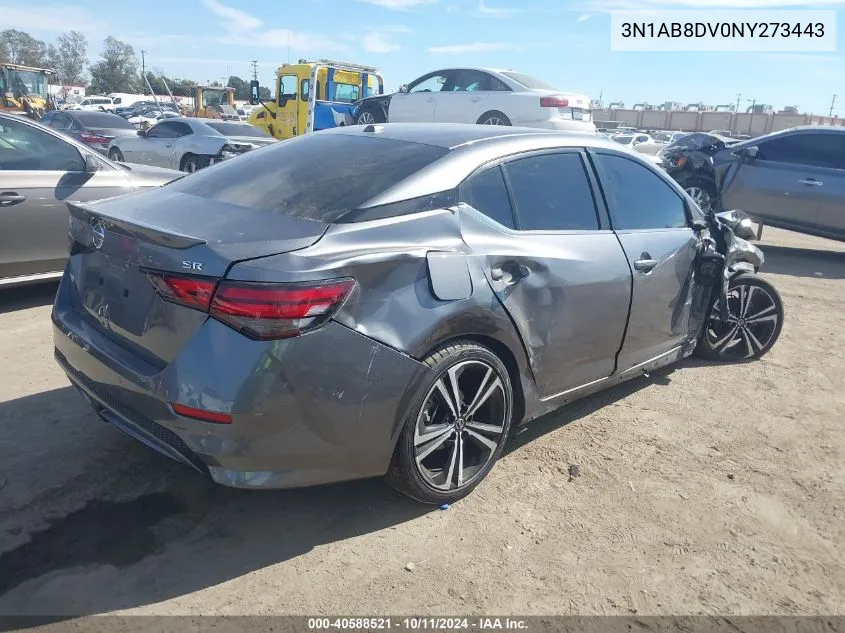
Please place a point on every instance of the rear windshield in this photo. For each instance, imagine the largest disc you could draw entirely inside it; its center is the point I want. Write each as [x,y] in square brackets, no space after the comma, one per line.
[237,129]
[316,177]
[698,142]
[103,120]
[529,82]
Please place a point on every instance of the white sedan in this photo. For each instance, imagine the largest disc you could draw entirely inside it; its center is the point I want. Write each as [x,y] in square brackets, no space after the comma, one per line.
[479,95]
[93,104]
[151,118]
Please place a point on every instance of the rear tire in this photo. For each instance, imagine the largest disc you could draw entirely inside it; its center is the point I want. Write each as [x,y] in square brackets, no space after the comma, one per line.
[116,155]
[448,444]
[370,115]
[494,117]
[755,320]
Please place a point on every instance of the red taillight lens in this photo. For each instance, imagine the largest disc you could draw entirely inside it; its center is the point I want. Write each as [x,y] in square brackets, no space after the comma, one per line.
[201,414]
[554,102]
[268,311]
[194,292]
[93,138]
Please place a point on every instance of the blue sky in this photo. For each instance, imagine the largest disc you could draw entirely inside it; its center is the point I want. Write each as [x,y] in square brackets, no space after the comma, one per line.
[564,43]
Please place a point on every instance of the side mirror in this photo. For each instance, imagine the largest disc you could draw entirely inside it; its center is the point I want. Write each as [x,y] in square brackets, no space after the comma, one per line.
[92,165]
[254,92]
[750,152]
[403,88]
[142,132]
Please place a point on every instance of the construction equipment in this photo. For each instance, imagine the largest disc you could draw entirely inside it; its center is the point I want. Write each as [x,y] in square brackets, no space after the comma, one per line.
[312,96]
[25,90]
[215,102]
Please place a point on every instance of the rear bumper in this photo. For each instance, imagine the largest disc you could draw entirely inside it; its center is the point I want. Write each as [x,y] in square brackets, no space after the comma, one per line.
[315,409]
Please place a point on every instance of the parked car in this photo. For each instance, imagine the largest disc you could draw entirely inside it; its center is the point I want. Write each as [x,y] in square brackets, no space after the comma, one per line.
[634,140]
[95,129]
[366,300]
[794,179]
[150,117]
[145,107]
[188,143]
[40,169]
[103,104]
[668,137]
[689,161]
[479,95]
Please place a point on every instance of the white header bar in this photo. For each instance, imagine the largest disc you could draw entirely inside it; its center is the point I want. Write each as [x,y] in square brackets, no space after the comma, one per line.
[707,30]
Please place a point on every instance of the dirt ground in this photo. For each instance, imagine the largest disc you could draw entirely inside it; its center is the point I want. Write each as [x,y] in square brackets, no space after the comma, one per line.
[703,489]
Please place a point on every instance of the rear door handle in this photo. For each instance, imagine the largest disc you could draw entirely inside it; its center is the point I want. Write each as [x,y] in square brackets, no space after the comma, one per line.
[10,198]
[811,182]
[645,265]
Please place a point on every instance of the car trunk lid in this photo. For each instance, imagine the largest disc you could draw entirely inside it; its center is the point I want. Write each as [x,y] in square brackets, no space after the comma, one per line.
[118,243]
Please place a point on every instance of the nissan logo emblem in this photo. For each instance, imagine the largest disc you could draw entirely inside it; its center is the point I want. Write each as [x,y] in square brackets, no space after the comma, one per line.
[98,234]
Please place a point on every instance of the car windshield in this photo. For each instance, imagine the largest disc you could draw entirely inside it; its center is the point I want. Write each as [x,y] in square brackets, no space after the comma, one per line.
[623,139]
[664,137]
[237,129]
[528,82]
[316,177]
[103,120]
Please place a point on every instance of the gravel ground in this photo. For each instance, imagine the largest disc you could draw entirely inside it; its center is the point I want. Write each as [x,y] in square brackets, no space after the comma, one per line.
[703,489]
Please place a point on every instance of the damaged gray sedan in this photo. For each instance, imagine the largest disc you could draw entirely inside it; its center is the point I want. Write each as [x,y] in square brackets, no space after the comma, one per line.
[392,300]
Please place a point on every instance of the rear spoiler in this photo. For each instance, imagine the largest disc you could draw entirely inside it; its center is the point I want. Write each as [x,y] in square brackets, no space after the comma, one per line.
[85,216]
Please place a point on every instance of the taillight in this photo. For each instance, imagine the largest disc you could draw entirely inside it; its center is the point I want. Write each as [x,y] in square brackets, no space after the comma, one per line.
[93,138]
[269,311]
[193,292]
[258,310]
[554,102]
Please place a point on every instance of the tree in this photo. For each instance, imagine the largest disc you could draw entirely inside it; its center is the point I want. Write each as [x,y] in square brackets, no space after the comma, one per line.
[241,88]
[18,47]
[117,70]
[265,93]
[69,58]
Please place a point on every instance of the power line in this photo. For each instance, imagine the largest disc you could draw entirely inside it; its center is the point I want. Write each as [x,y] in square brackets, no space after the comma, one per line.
[143,71]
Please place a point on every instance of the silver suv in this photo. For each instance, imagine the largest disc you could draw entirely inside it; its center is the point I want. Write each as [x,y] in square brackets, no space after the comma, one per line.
[793,179]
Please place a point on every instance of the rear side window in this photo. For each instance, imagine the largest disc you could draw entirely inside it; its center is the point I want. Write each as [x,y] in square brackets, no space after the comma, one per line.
[486,192]
[637,197]
[552,193]
[319,176]
[812,149]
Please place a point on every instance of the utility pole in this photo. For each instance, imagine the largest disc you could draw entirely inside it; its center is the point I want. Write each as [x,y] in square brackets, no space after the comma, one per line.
[254,63]
[832,101]
[143,71]
[738,97]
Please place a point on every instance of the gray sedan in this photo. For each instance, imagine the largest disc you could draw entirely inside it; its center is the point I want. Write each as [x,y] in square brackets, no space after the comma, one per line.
[393,299]
[188,143]
[40,170]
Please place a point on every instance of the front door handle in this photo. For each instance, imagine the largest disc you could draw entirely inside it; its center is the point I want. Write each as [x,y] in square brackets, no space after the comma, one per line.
[10,198]
[811,182]
[645,264]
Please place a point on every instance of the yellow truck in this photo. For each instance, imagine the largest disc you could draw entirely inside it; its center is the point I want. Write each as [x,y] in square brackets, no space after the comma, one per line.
[25,90]
[215,102]
[312,96]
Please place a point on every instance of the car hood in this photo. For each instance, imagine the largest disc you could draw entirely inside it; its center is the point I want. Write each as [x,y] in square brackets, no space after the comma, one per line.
[142,176]
[254,141]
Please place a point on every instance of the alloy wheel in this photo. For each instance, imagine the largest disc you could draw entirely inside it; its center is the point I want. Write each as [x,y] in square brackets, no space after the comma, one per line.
[753,319]
[493,120]
[700,197]
[460,425]
[366,118]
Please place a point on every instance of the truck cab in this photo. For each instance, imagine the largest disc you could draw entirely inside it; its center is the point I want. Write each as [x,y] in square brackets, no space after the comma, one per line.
[313,96]
[25,90]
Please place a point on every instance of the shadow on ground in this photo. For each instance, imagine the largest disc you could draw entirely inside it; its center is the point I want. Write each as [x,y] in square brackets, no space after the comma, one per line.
[14,299]
[803,262]
[155,517]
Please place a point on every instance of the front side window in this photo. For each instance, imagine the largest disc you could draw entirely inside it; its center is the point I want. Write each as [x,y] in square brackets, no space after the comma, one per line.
[551,192]
[813,149]
[430,83]
[26,148]
[304,88]
[486,192]
[638,198]
[287,87]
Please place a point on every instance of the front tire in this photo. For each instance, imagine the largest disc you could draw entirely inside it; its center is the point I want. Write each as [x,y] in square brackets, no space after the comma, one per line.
[116,155]
[369,116]
[755,320]
[457,425]
[703,192]
[494,118]
[192,163]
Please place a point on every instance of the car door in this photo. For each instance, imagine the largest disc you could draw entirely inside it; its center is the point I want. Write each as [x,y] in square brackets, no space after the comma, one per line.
[831,217]
[650,219]
[785,182]
[155,148]
[553,262]
[182,143]
[419,103]
[463,98]
[39,172]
